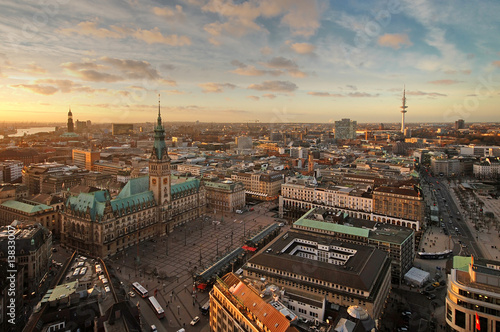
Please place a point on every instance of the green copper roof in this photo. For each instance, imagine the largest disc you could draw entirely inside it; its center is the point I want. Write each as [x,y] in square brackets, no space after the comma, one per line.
[190,183]
[220,185]
[95,202]
[461,263]
[135,186]
[331,227]
[26,208]
[159,147]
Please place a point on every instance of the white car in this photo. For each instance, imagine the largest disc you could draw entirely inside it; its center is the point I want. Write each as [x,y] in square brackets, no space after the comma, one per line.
[107,289]
[195,320]
[131,294]
[104,280]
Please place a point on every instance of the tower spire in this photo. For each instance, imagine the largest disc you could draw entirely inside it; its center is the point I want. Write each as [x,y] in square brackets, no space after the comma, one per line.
[403,110]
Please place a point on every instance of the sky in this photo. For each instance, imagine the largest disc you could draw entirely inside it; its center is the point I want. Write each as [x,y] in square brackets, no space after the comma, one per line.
[274,61]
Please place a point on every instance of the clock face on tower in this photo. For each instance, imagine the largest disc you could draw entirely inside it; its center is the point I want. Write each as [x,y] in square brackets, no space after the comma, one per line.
[154,181]
[165,181]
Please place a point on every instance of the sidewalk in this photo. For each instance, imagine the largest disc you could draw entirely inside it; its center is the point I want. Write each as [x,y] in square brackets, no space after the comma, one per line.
[487,240]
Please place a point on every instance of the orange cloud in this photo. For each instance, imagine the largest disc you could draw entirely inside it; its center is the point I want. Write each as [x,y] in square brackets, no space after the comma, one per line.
[394,40]
[444,82]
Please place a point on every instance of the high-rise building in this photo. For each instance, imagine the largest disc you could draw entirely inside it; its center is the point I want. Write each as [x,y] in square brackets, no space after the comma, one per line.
[459,124]
[345,129]
[71,127]
[85,159]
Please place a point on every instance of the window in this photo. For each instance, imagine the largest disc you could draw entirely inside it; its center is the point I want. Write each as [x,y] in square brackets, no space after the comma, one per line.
[460,318]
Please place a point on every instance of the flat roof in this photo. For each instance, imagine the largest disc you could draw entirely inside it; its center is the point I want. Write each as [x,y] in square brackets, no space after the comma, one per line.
[360,271]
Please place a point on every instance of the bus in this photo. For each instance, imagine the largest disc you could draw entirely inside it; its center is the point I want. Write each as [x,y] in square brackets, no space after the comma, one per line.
[160,313]
[205,308]
[140,290]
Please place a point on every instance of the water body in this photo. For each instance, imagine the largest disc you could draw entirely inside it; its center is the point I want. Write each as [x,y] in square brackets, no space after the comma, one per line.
[31,131]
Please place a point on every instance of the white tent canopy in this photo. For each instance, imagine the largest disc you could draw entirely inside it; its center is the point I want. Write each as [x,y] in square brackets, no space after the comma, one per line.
[416,276]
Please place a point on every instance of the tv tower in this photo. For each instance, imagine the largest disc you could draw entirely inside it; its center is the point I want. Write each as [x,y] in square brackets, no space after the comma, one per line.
[403,111]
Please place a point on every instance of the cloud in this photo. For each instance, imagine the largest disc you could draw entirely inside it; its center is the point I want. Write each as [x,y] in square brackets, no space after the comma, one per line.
[171,14]
[153,36]
[134,69]
[34,69]
[324,94]
[253,98]
[496,63]
[302,48]
[444,82]
[39,89]
[285,64]
[174,92]
[361,95]
[89,28]
[302,17]
[276,86]
[51,86]
[394,40]
[128,69]
[269,96]
[421,93]
[266,50]
[212,87]
[79,70]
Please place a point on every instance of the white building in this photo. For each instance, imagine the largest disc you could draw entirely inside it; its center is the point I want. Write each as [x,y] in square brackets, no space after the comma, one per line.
[487,169]
[473,296]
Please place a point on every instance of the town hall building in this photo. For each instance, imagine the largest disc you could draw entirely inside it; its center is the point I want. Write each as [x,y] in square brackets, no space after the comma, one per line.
[100,226]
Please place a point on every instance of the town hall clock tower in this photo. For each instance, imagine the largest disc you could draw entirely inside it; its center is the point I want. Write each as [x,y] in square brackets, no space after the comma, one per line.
[159,166]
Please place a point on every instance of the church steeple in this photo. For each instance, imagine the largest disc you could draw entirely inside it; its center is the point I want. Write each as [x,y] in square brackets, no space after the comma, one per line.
[159,147]
[71,127]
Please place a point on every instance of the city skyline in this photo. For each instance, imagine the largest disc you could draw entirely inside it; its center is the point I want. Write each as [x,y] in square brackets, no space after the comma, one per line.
[284,61]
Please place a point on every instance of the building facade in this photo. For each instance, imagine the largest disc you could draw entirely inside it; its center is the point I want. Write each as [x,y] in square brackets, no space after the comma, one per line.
[11,171]
[146,207]
[489,168]
[33,250]
[345,129]
[237,307]
[260,185]
[226,196]
[34,174]
[299,195]
[85,159]
[401,202]
[473,296]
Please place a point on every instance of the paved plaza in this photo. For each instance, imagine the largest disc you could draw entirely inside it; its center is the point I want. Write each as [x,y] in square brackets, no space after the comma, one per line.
[178,256]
